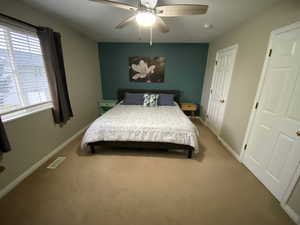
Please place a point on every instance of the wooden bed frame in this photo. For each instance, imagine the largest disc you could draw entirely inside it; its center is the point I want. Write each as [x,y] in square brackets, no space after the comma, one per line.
[145,145]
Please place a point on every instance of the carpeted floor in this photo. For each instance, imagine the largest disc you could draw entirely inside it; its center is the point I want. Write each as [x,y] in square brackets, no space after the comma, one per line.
[131,187]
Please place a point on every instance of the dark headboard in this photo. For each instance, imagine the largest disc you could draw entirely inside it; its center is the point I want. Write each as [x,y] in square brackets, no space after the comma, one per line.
[176,93]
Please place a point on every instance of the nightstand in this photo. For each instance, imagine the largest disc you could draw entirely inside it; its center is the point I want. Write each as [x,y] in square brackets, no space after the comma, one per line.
[106,105]
[189,107]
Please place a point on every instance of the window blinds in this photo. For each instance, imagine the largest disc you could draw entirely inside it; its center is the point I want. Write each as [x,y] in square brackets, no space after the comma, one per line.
[23,80]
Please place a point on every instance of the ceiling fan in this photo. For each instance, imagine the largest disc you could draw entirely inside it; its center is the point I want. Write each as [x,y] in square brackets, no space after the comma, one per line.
[147,13]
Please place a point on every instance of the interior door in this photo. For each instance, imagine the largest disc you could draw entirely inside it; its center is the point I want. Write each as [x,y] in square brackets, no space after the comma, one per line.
[273,151]
[220,87]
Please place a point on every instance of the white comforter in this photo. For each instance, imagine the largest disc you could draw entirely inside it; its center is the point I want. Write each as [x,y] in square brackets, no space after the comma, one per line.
[143,124]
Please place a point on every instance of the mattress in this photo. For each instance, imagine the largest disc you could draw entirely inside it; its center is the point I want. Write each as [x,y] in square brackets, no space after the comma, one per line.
[167,124]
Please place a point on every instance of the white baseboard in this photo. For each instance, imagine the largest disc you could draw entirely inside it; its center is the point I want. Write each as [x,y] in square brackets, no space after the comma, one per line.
[228,147]
[201,120]
[291,213]
[294,216]
[35,166]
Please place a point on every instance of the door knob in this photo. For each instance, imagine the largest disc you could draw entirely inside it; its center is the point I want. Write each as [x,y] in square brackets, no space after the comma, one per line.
[298,133]
[222,100]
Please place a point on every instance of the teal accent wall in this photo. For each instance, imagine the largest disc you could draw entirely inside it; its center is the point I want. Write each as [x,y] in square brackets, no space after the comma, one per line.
[184,71]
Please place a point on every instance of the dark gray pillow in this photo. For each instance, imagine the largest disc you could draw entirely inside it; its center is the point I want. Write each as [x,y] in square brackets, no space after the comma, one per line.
[166,100]
[133,99]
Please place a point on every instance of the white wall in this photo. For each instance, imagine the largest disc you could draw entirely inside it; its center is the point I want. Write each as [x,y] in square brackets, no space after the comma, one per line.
[252,38]
[34,136]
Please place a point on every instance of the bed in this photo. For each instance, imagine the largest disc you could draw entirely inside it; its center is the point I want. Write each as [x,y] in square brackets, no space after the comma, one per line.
[136,126]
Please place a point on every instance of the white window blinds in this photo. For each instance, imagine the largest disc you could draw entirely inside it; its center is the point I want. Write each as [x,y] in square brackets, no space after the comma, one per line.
[23,81]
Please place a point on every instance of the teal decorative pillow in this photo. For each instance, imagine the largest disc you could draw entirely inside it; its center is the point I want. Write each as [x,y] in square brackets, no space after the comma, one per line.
[151,100]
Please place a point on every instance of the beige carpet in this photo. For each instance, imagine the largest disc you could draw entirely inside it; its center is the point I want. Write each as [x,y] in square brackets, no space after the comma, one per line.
[130,187]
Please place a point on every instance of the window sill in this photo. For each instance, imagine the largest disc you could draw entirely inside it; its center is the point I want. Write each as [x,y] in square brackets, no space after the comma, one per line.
[26,112]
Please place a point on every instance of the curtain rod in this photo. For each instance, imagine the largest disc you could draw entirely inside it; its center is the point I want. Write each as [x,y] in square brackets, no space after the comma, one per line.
[19,21]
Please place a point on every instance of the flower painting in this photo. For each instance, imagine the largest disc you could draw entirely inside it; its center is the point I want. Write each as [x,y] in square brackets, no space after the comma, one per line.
[147,69]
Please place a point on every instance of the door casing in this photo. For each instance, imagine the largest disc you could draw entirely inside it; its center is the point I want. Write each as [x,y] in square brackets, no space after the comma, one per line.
[235,48]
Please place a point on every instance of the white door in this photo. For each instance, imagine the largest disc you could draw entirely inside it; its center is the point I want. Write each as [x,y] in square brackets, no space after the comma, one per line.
[273,149]
[225,59]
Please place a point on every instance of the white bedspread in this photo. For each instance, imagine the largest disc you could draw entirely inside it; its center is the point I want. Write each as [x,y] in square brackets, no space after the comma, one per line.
[143,124]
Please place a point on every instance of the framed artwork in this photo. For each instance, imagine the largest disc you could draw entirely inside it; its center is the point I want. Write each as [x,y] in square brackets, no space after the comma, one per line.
[147,69]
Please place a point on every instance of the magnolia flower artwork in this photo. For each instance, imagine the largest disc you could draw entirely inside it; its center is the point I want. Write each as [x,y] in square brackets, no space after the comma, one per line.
[147,69]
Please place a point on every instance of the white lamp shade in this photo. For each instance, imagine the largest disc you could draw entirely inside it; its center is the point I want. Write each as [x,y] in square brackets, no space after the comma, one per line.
[145,19]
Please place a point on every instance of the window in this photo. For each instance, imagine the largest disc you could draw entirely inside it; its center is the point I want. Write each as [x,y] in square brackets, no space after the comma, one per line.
[23,81]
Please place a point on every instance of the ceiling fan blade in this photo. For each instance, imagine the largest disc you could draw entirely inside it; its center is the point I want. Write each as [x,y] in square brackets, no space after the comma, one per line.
[116,4]
[149,3]
[125,22]
[181,10]
[161,25]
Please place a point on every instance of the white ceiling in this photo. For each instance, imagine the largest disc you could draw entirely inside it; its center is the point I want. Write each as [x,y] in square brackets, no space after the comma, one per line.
[98,21]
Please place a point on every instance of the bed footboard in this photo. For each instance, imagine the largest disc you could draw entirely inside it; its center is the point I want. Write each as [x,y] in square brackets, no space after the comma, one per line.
[152,145]
[190,154]
[92,146]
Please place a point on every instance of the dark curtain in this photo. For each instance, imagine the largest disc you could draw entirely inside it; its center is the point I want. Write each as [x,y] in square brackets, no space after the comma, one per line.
[4,144]
[54,62]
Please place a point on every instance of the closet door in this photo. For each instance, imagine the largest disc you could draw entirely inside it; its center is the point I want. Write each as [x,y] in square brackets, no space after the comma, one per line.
[273,149]
[220,87]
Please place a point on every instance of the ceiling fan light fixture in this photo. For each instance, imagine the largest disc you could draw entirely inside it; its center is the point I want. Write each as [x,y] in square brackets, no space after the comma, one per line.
[145,19]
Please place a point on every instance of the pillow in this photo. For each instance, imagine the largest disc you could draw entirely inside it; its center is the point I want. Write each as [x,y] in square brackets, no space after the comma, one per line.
[133,99]
[166,100]
[151,100]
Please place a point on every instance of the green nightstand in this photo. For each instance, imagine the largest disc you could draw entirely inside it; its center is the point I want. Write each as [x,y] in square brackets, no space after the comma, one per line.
[106,105]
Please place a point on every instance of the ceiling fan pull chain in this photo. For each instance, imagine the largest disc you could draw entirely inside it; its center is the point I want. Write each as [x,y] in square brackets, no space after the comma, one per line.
[150,36]
[140,35]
